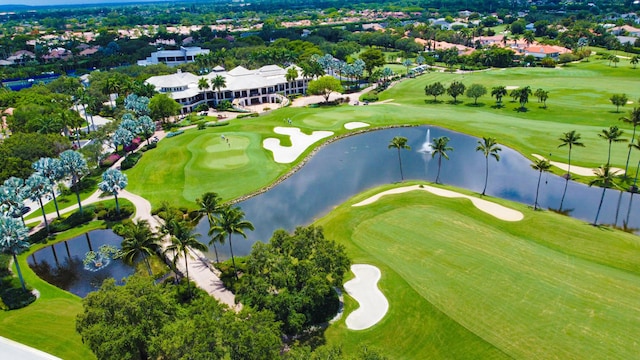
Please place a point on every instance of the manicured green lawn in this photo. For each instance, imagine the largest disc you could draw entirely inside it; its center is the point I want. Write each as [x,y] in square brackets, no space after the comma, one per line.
[462,284]
[185,166]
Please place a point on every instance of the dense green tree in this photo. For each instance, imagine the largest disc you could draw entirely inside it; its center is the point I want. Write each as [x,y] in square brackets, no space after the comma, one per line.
[435,89]
[569,139]
[303,268]
[324,86]
[162,107]
[540,165]
[489,147]
[372,59]
[456,89]
[440,148]
[618,100]
[399,143]
[475,91]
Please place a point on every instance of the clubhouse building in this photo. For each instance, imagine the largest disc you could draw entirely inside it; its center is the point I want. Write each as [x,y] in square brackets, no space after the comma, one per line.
[244,87]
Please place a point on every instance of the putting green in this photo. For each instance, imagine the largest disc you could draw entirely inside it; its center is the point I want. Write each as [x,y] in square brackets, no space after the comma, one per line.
[462,285]
[219,154]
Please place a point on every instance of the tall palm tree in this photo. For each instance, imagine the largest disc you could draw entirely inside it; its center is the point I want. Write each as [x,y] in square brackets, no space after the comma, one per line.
[74,165]
[232,222]
[440,148]
[541,165]
[570,139]
[51,169]
[634,188]
[489,147]
[399,142]
[13,236]
[604,178]
[209,205]
[113,180]
[139,241]
[498,92]
[12,196]
[612,135]
[182,240]
[634,120]
[38,186]
[218,82]
[291,76]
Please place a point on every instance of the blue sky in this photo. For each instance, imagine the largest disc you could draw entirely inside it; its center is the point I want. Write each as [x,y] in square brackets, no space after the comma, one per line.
[62,2]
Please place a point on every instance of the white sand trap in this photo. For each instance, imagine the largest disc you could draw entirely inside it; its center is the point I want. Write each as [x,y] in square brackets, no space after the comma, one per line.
[491,208]
[364,289]
[578,170]
[299,143]
[629,102]
[355,125]
[511,87]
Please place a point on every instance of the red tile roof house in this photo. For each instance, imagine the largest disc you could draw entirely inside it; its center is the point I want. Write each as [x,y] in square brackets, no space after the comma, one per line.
[543,51]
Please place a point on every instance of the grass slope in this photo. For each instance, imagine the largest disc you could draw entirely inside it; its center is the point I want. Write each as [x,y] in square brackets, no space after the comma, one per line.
[463,285]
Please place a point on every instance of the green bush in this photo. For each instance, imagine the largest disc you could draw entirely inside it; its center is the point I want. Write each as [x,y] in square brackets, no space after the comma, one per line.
[130,161]
[39,236]
[216,123]
[202,125]
[73,220]
[247,115]
[370,97]
[175,133]
[150,146]
[13,297]
[110,214]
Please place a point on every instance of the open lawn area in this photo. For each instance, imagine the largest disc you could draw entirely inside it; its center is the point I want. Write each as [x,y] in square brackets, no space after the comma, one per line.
[461,284]
[184,167]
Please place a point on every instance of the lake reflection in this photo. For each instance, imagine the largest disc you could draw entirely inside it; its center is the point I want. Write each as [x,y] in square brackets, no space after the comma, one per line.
[61,264]
[351,165]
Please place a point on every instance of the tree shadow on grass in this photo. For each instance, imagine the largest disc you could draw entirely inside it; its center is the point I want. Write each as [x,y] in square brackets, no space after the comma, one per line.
[431,101]
[521,109]
[478,105]
[497,106]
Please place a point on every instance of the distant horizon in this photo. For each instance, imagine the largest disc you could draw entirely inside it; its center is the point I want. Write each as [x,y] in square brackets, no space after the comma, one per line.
[72,2]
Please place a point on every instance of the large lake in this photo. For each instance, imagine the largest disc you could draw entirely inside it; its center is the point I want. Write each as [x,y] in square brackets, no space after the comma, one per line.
[351,165]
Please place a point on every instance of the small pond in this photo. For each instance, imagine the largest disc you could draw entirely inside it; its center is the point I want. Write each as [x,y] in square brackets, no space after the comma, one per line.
[63,265]
[351,165]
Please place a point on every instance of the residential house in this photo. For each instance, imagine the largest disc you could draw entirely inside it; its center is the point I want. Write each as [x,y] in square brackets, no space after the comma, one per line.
[544,51]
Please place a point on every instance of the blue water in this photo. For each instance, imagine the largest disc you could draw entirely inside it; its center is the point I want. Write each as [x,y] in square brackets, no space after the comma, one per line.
[351,165]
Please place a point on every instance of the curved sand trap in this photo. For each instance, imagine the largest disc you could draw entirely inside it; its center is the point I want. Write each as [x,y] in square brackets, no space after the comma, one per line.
[355,125]
[578,170]
[511,87]
[363,288]
[299,143]
[491,208]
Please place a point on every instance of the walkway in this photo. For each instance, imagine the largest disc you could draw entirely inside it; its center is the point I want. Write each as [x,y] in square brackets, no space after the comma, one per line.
[10,349]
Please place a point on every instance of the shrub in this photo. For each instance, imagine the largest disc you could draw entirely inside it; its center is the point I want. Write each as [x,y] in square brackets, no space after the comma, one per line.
[224,105]
[214,124]
[247,115]
[175,133]
[110,160]
[130,161]
[134,145]
[72,220]
[202,125]
[110,213]
[39,236]
[370,97]
[150,146]
[13,297]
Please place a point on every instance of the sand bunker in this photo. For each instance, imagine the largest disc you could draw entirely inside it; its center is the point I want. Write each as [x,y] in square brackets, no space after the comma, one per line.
[355,125]
[299,143]
[364,289]
[511,87]
[491,208]
[578,170]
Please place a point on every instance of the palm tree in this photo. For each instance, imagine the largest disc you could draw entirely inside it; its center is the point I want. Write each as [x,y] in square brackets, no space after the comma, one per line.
[73,164]
[407,63]
[12,196]
[38,186]
[498,92]
[231,222]
[612,135]
[209,206]
[570,139]
[182,240]
[139,241]
[51,169]
[489,147]
[634,60]
[13,236]
[113,181]
[541,165]
[399,142]
[440,148]
[634,120]
[218,82]
[634,188]
[523,96]
[604,178]
[291,76]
